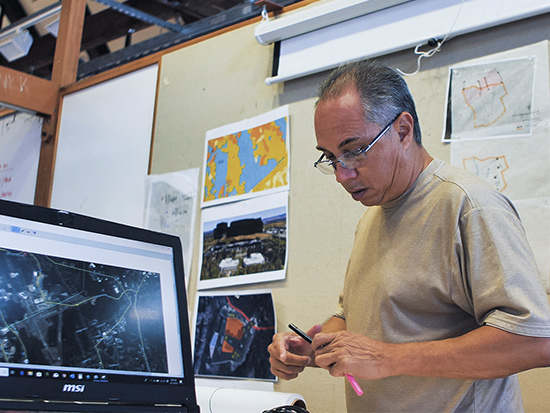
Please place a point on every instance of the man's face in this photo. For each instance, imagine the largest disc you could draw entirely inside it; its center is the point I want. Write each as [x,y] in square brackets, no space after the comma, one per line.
[340,127]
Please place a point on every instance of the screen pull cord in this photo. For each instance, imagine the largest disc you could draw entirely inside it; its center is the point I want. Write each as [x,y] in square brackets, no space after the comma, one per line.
[435,45]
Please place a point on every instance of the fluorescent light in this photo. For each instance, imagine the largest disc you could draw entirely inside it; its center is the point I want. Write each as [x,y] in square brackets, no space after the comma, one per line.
[16,45]
[30,20]
[16,41]
[53,27]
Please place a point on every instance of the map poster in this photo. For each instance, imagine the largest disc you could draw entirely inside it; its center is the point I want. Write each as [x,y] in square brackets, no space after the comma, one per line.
[493,99]
[244,242]
[232,330]
[247,158]
[516,167]
[171,207]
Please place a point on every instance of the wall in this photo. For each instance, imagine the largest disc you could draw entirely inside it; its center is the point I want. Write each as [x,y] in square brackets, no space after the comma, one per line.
[221,80]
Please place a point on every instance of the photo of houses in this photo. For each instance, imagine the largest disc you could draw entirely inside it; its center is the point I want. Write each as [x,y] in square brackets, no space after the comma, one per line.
[243,248]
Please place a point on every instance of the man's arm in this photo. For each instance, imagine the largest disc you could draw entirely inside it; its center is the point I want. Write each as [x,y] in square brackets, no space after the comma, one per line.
[333,325]
[484,353]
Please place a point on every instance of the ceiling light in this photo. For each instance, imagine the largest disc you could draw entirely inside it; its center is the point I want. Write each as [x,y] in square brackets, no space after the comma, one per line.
[16,45]
[53,27]
[15,40]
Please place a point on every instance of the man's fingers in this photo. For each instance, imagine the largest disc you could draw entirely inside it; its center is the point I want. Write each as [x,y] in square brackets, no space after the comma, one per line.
[283,375]
[286,370]
[288,355]
[314,330]
[322,340]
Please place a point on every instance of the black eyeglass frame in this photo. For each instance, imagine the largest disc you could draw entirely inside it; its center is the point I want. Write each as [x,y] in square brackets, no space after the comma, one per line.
[353,154]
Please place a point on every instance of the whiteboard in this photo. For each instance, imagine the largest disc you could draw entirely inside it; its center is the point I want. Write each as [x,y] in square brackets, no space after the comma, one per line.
[104,146]
[19,156]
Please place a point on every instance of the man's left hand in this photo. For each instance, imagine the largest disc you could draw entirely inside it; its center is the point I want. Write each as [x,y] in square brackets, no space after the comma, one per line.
[350,353]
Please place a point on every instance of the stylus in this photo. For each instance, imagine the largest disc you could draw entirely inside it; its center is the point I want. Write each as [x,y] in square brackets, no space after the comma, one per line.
[350,378]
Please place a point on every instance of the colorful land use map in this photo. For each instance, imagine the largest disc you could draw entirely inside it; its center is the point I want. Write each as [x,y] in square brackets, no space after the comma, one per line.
[247,161]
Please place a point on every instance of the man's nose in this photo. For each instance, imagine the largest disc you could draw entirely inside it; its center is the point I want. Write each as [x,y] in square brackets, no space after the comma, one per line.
[343,174]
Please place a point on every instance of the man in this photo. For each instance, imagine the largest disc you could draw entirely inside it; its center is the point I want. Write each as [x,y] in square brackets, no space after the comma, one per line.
[442,301]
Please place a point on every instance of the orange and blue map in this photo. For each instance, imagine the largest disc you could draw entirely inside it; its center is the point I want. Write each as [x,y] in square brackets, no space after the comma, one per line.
[250,160]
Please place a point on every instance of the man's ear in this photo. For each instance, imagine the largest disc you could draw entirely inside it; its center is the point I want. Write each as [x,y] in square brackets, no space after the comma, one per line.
[405,128]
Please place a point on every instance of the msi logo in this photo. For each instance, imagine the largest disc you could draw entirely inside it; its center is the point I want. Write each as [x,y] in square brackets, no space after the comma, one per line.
[74,388]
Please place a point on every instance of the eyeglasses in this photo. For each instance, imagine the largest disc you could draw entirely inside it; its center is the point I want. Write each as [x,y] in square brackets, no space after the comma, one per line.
[349,160]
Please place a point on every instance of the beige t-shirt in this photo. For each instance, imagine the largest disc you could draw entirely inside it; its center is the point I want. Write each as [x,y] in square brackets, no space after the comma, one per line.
[446,257]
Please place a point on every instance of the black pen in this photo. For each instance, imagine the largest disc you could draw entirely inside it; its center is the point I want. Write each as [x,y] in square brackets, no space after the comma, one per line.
[350,378]
[300,333]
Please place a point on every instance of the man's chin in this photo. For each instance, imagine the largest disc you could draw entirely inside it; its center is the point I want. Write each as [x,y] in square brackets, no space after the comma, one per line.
[364,198]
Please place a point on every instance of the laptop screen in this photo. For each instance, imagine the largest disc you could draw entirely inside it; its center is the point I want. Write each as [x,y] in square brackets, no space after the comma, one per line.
[93,314]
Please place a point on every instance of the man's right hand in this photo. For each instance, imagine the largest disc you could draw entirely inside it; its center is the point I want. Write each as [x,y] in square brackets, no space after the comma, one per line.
[289,354]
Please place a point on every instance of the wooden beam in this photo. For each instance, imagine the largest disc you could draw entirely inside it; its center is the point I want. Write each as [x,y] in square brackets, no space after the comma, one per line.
[65,67]
[67,49]
[6,111]
[28,92]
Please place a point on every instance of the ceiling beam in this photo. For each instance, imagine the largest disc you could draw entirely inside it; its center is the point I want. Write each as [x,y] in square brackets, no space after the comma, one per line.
[140,15]
[99,29]
[15,12]
[22,91]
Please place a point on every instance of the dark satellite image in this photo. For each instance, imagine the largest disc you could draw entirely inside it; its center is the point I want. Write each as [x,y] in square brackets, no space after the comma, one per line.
[232,334]
[62,312]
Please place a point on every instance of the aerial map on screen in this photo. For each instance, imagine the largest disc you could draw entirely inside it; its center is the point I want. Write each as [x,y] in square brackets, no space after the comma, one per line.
[62,312]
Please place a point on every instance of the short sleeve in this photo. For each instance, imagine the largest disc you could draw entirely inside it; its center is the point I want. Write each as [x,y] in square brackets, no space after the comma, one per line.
[339,312]
[505,285]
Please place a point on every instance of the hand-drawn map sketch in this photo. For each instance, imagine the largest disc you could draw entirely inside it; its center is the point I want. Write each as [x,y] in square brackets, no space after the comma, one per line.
[491,99]
[491,169]
[170,207]
[508,165]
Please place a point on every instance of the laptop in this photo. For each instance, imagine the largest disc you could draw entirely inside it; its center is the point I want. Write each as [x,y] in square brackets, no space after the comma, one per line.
[93,315]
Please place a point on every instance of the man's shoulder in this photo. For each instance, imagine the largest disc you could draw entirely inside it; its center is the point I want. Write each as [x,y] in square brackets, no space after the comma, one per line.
[455,181]
[453,174]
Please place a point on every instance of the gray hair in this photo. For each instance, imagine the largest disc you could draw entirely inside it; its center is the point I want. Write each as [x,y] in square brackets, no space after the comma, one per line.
[384,93]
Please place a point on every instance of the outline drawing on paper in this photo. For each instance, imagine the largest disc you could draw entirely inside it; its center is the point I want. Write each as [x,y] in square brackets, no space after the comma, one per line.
[482,99]
[491,169]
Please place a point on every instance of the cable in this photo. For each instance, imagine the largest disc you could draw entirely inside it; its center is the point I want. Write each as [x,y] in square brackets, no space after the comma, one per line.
[436,46]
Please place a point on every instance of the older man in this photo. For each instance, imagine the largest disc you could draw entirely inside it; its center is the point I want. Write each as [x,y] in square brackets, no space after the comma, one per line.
[442,301]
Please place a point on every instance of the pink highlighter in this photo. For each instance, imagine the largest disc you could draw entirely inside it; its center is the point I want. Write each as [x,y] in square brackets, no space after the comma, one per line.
[350,378]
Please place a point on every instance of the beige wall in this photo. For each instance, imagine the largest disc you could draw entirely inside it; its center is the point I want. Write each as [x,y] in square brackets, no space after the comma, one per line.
[221,81]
